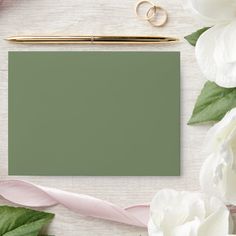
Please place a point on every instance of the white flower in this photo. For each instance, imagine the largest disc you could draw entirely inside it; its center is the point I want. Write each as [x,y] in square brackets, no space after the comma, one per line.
[216,54]
[218,173]
[216,48]
[175,213]
[212,11]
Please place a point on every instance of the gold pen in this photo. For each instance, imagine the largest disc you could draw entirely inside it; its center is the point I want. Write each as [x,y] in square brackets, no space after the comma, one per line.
[92,39]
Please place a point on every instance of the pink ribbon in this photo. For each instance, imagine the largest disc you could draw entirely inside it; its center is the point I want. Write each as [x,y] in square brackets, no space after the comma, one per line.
[31,195]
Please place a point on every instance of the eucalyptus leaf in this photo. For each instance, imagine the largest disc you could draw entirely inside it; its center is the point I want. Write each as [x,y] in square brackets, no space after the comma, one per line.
[18,221]
[193,38]
[213,103]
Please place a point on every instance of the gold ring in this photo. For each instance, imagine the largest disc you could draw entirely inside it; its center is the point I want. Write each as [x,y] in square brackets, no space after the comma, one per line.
[148,16]
[153,11]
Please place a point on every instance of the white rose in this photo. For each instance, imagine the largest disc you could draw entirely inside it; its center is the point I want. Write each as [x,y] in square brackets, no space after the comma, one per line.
[175,213]
[218,173]
[216,48]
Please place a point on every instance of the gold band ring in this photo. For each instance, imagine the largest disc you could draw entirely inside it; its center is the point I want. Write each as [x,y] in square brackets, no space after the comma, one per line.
[154,11]
[150,14]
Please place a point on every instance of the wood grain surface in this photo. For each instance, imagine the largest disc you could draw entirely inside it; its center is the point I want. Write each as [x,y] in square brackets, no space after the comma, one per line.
[111,17]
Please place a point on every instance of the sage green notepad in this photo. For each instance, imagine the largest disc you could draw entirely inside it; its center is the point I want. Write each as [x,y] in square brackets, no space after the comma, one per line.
[94,113]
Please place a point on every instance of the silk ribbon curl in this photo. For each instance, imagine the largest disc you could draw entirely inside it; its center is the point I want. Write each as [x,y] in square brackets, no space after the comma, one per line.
[31,195]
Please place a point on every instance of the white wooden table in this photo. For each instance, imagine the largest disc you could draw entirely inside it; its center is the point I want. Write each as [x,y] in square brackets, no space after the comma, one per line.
[19,17]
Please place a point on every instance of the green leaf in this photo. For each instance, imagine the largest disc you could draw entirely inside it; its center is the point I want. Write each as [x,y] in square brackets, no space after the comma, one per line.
[18,221]
[193,38]
[213,103]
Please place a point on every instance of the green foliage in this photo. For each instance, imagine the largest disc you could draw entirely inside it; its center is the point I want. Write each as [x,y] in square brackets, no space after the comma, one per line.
[18,221]
[193,38]
[213,103]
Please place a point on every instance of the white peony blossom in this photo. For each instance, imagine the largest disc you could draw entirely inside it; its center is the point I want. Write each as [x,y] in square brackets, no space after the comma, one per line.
[212,11]
[216,48]
[175,213]
[218,173]
[216,54]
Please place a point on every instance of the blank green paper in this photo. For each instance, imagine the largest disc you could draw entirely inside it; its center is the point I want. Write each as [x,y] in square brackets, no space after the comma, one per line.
[94,113]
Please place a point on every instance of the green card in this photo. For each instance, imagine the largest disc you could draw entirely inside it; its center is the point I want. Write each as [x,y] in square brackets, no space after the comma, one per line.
[94,113]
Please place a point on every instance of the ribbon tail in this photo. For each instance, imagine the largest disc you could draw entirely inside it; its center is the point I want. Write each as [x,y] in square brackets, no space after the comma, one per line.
[31,195]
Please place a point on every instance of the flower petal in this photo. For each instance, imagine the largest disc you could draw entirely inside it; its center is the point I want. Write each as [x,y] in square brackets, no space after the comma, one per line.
[216,224]
[225,56]
[175,213]
[217,176]
[226,42]
[167,209]
[213,11]
[188,229]
[229,186]
[153,230]
[207,175]
[218,173]
[221,131]
[204,51]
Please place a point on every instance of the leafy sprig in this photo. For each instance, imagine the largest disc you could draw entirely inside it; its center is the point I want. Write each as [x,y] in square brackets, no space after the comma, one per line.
[18,221]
